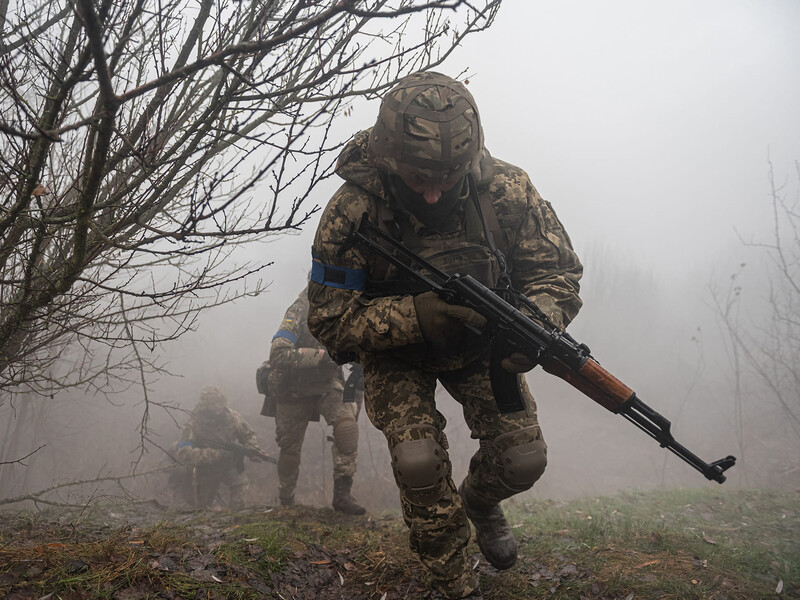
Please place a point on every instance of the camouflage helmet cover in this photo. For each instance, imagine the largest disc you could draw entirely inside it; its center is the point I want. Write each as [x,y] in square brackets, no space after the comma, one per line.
[428,129]
[212,401]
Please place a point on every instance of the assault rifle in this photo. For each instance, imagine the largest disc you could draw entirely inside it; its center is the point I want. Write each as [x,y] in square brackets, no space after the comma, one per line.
[534,335]
[237,449]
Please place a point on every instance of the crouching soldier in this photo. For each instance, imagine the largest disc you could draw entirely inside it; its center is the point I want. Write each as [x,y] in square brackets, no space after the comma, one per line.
[212,448]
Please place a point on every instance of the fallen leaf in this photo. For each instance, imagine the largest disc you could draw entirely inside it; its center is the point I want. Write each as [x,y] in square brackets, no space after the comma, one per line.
[646,564]
[217,579]
[708,539]
[319,562]
[250,539]
[341,579]
[779,589]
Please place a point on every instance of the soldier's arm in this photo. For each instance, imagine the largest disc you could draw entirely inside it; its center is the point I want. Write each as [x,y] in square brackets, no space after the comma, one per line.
[544,264]
[246,435]
[284,349]
[339,316]
[190,454]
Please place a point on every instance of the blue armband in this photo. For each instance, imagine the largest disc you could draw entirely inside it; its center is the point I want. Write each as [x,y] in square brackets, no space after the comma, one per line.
[337,277]
[285,334]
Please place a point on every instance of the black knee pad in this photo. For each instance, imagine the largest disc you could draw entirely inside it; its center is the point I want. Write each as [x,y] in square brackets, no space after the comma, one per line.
[521,457]
[420,466]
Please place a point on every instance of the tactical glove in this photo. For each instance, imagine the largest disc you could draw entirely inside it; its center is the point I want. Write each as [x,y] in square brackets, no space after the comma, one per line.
[516,362]
[441,322]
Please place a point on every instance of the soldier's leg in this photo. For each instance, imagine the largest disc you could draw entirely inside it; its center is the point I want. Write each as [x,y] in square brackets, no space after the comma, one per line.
[206,485]
[291,421]
[399,400]
[238,484]
[341,416]
[511,457]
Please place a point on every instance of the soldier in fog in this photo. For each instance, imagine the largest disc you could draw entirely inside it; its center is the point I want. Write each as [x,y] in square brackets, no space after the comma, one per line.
[212,448]
[306,383]
[423,176]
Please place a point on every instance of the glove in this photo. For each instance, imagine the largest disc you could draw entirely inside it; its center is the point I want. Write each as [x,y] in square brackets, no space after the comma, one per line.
[440,321]
[517,362]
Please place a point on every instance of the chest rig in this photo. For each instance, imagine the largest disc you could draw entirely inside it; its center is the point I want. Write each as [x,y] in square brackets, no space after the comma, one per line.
[467,247]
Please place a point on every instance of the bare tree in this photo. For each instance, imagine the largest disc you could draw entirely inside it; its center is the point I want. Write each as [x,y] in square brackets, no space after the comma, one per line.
[141,140]
[763,341]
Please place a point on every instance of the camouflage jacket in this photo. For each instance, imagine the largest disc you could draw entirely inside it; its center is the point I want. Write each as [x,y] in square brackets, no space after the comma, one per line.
[301,367]
[192,448]
[542,262]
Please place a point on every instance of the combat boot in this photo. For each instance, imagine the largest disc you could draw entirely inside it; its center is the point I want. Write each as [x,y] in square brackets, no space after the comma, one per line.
[495,538]
[343,502]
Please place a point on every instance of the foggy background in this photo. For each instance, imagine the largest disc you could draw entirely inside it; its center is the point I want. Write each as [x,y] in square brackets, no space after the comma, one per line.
[651,128]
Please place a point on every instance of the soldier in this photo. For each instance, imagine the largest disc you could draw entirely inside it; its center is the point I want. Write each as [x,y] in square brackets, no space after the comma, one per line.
[212,425]
[422,174]
[308,383]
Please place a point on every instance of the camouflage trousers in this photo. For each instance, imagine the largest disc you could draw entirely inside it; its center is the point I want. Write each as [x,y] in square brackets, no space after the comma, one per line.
[399,397]
[291,421]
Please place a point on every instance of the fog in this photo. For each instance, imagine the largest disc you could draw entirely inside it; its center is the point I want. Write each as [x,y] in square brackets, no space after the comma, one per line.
[651,128]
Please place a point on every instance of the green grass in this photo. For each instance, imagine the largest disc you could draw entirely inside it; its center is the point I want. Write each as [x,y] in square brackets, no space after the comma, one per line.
[263,546]
[673,544]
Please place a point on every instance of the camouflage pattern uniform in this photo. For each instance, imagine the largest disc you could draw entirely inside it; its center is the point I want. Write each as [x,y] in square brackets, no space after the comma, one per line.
[400,369]
[212,421]
[309,384]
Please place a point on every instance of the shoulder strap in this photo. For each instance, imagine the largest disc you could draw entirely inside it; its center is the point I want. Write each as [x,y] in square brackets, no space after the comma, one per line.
[490,224]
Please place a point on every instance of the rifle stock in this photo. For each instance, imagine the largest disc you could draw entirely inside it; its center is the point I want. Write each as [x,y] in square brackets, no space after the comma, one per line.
[555,350]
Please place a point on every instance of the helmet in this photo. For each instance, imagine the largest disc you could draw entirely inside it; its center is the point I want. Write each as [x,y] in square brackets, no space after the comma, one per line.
[212,402]
[428,129]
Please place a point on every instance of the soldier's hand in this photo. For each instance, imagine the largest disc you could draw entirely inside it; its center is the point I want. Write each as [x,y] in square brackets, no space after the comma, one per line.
[440,321]
[517,362]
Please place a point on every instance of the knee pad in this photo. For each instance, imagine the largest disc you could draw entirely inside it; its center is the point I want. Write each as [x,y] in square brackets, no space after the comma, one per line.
[420,467]
[345,435]
[521,457]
